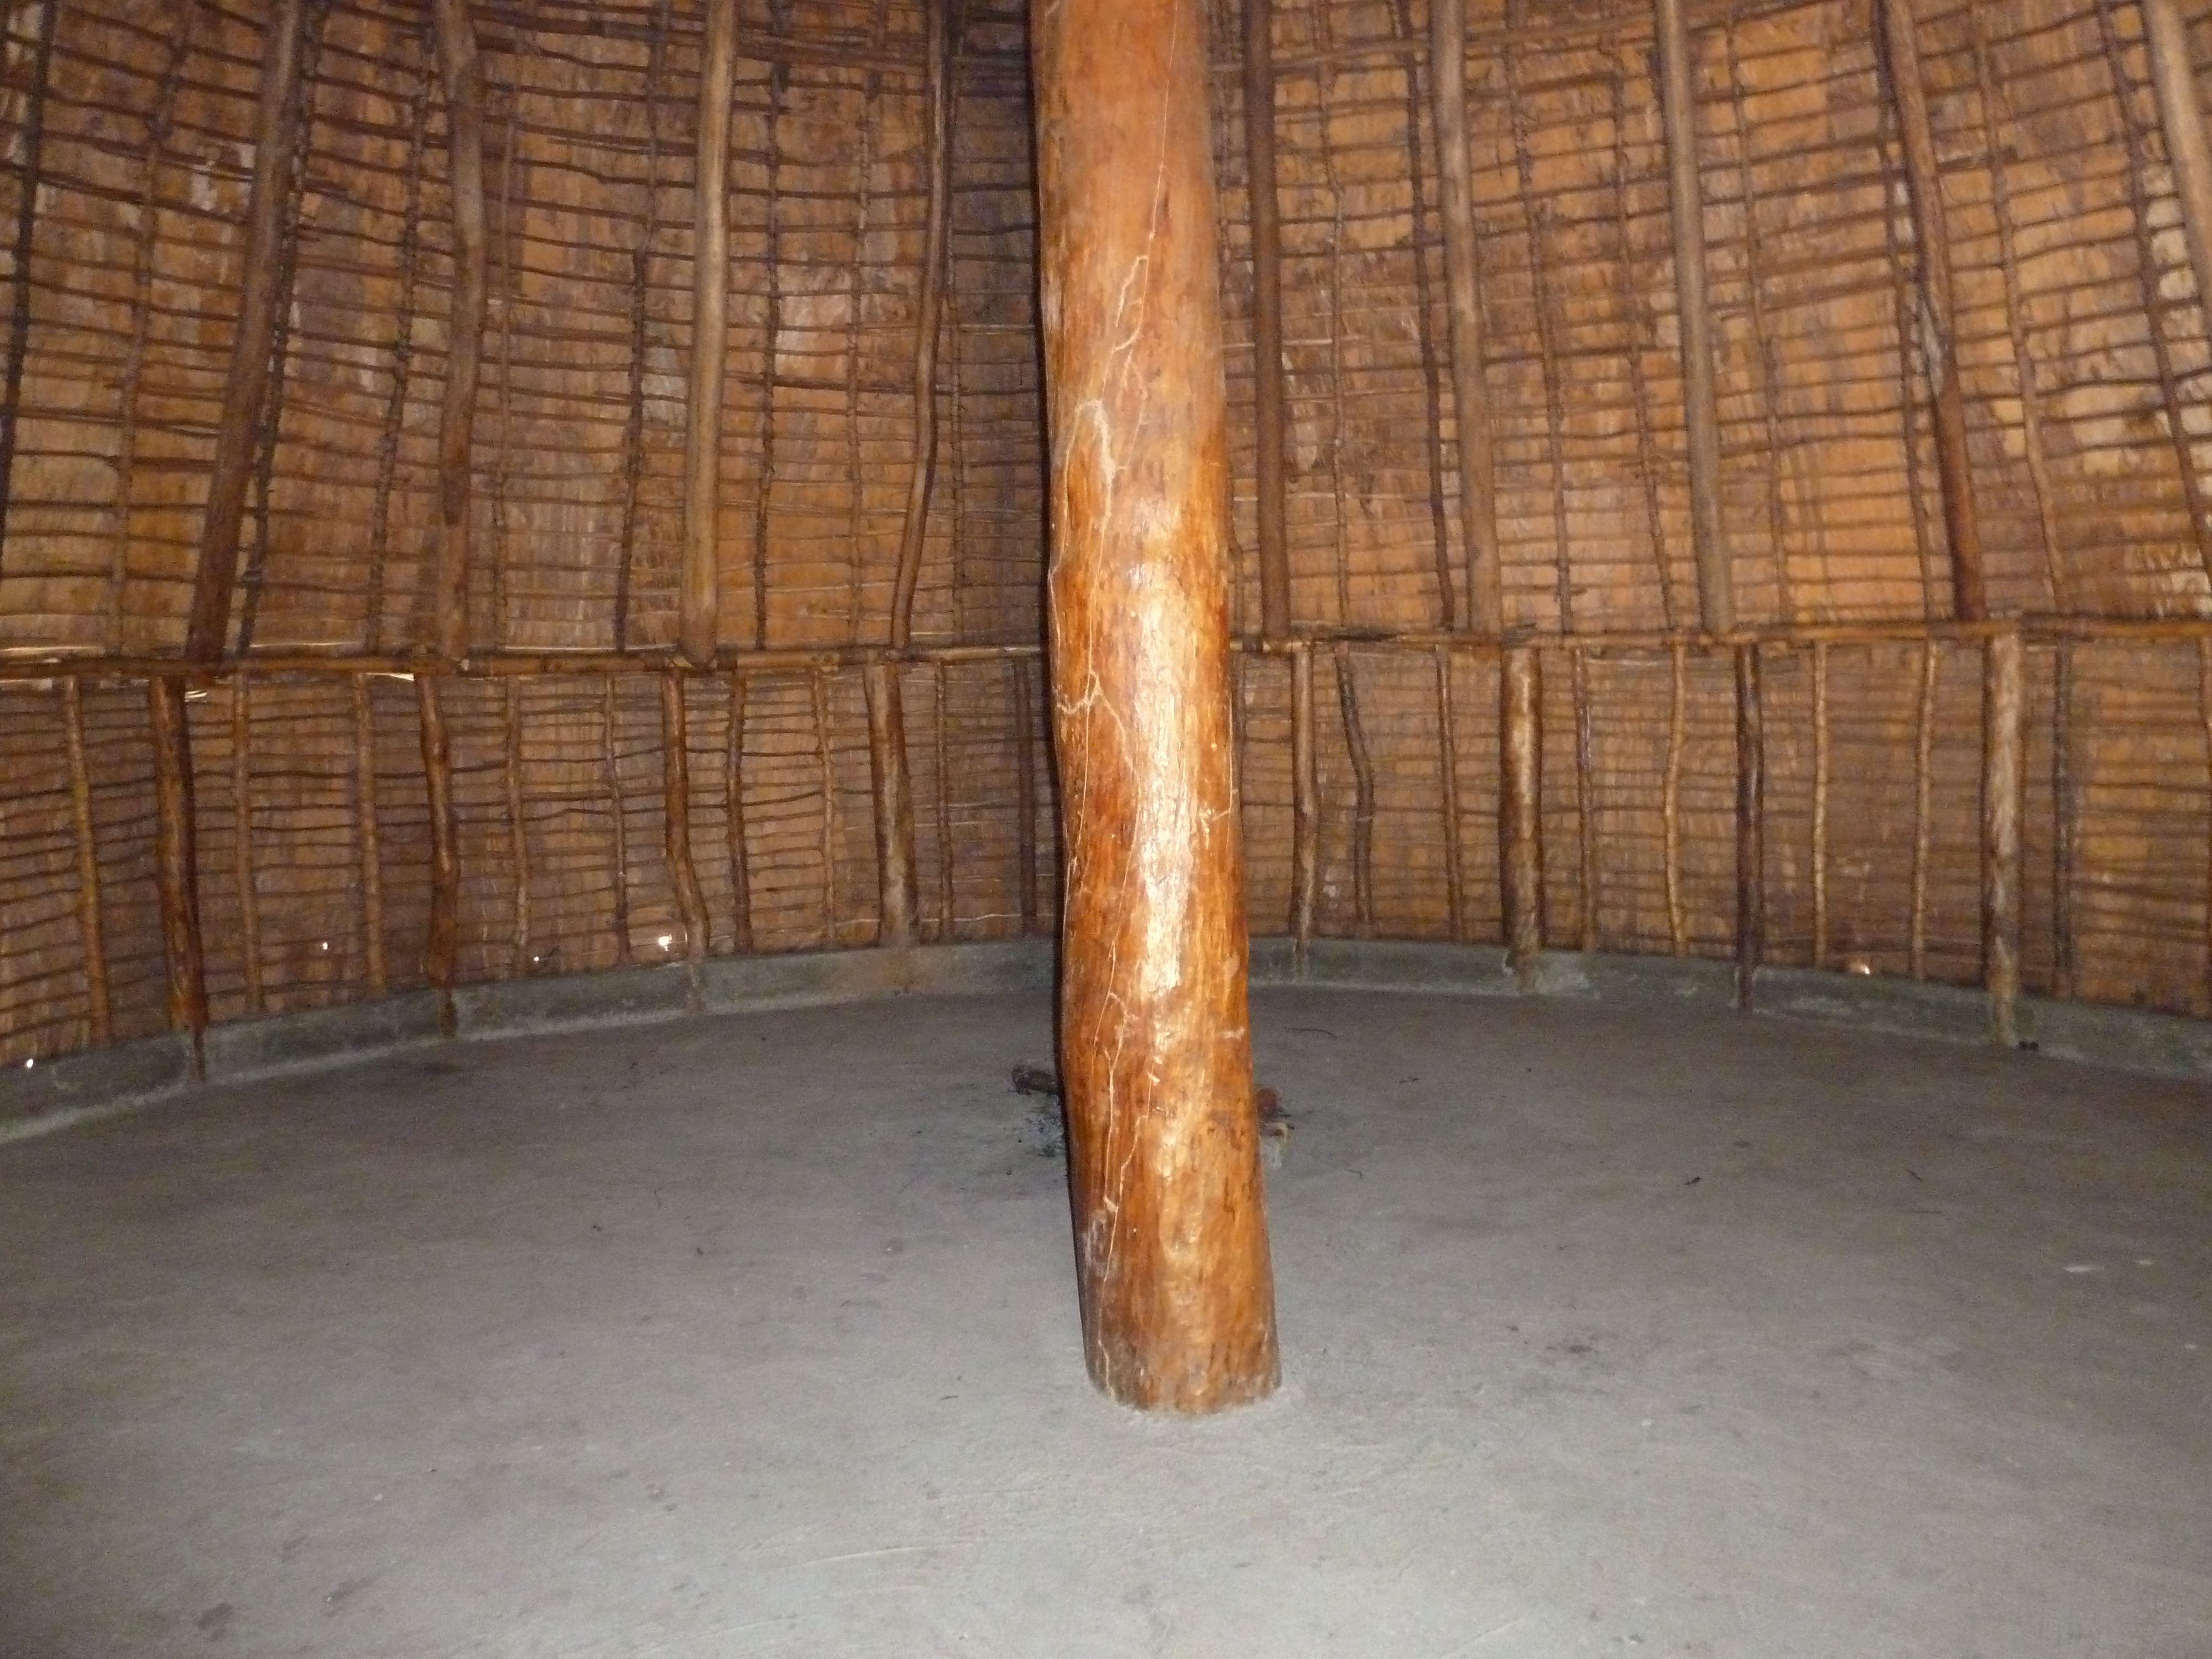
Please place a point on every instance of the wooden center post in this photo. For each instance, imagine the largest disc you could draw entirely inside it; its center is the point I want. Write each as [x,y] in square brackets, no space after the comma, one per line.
[1170,1232]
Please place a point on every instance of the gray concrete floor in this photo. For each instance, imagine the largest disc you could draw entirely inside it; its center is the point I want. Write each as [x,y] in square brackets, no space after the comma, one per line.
[1605,1332]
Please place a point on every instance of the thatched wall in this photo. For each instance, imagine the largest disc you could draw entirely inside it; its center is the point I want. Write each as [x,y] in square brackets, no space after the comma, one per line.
[2083,357]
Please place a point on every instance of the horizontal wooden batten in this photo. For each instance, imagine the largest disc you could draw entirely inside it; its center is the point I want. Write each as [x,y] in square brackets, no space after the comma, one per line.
[2036,629]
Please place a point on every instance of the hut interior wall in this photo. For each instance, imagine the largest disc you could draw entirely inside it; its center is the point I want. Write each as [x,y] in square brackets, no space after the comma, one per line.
[2083,355]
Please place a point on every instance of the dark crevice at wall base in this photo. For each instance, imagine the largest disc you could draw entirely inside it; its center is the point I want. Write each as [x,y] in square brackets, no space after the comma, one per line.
[50,1095]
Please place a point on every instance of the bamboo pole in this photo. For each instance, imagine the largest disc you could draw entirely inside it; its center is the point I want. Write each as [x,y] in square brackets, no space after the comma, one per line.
[1176,1288]
[733,821]
[894,804]
[176,865]
[699,625]
[2003,777]
[2173,74]
[1270,416]
[936,97]
[370,844]
[1931,232]
[1520,822]
[246,385]
[243,866]
[1478,486]
[92,936]
[440,945]
[1678,100]
[1750,824]
[676,825]
[458,68]
[1305,808]
[1448,753]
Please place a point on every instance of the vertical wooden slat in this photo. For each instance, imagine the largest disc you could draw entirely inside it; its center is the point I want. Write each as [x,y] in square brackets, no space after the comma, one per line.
[1363,795]
[1270,422]
[243,867]
[1589,895]
[1025,835]
[1478,498]
[1305,806]
[92,936]
[2174,76]
[937,99]
[462,77]
[820,684]
[1678,100]
[176,863]
[246,385]
[523,959]
[1923,815]
[894,802]
[31,142]
[2204,717]
[2003,777]
[368,840]
[1925,184]
[1448,752]
[1670,799]
[948,892]
[733,821]
[1520,822]
[2062,820]
[2031,399]
[441,943]
[1822,767]
[617,816]
[676,822]
[1750,824]
[699,624]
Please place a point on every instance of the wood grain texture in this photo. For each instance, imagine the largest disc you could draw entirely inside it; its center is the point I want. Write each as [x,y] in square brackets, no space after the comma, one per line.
[1931,230]
[463,79]
[676,822]
[1176,1288]
[892,778]
[176,864]
[92,933]
[1305,805]
[1478,467]
[699,623]
[246,384]
[1269,433]
[441,938]
[921,475]
[2189,151]
[2004,780]
[1750,823]
[1701,410]
[1520,824]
